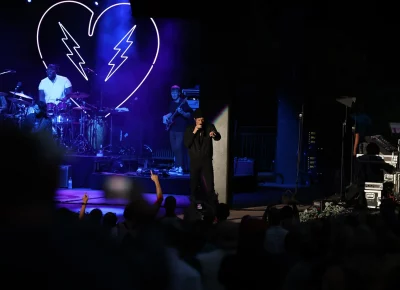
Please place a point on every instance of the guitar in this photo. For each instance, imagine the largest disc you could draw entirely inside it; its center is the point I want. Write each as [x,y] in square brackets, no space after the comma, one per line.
[170,120]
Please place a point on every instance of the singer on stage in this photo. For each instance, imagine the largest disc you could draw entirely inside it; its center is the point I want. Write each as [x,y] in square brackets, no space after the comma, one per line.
[199,141]
[54,88]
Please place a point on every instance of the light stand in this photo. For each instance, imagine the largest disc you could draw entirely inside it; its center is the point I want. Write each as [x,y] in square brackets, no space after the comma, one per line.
[299,149]
[347,102]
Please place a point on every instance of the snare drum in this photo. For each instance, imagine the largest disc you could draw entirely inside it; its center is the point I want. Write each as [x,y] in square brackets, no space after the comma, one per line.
[62,108]
[51,109]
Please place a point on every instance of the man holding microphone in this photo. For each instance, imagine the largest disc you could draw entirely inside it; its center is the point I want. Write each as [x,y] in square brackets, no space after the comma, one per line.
[198,139]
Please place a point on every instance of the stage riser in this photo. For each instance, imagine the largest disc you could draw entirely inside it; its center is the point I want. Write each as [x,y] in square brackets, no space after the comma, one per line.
[81,170]
[178,186]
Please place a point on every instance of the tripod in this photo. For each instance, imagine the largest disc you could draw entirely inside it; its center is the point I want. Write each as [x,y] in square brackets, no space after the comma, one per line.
[81,142]
[110,146]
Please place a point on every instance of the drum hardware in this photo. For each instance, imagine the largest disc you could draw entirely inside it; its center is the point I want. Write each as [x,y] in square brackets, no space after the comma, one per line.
[81,143]
[51,109]
[77,95]
[96,133]
[21,95]
[81,109]
[113,112]
[20,106]
[17,101]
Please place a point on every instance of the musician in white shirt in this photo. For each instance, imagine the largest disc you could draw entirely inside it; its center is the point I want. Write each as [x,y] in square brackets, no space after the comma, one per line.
[54,88]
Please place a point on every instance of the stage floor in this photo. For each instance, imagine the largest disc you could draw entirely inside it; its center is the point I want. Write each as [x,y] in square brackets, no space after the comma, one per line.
[252,204]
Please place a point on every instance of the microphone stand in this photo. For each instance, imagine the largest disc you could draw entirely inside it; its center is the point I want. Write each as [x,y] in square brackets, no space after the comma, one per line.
[19,106]
[299,149]
[7,72]
[344,129]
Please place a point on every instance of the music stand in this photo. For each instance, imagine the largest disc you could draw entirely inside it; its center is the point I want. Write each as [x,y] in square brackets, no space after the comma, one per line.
[347,102]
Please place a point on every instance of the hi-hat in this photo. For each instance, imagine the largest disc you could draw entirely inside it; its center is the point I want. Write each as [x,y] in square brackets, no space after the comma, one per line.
[21,95]
[3,94]
[19,101]
[78,95]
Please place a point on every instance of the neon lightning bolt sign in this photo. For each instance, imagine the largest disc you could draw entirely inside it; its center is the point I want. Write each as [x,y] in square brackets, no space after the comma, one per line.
[123,57]
[91,28]
[75,47]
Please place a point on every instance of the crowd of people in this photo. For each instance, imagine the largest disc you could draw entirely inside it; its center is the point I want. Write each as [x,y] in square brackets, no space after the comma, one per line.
[46,246]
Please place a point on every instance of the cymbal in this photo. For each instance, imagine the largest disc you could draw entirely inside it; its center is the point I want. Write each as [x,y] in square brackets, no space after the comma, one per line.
[81,108]
[21,95]
[78,95]
[19,101]
[3,94]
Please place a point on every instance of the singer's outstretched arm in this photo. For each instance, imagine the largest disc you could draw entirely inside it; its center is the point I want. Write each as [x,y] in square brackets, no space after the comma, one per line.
[217,134]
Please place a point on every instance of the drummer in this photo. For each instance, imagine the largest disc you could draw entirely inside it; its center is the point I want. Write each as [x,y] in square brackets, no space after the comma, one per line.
[54,88]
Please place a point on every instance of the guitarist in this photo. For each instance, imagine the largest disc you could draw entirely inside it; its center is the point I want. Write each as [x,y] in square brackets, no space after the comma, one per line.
[178,117]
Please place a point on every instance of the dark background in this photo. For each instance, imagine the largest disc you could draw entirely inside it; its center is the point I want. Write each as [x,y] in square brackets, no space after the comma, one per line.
[246,53]
[313,52]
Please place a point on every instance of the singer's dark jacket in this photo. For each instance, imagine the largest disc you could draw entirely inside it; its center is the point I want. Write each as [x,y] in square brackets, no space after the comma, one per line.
[196,148]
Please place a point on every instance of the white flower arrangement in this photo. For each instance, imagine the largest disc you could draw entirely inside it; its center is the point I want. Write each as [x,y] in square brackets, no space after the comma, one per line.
[331,210]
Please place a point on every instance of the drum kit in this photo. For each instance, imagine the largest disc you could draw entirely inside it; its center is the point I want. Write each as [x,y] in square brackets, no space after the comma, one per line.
[77,125]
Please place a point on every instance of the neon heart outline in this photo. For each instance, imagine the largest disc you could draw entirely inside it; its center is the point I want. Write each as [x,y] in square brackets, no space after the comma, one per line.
[91,32]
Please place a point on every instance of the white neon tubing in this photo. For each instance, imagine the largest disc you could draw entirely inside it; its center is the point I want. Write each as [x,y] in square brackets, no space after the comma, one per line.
[151,68]
[75,47]
[127,38]
[91,29]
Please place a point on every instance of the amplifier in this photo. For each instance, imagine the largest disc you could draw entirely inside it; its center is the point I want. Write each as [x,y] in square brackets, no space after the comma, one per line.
[373,194]
[373,186]
[244,167]
[65,174]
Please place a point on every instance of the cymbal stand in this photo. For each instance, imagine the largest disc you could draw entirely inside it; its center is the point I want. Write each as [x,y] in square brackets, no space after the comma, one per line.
[20,114]
[81,142]
[110,146]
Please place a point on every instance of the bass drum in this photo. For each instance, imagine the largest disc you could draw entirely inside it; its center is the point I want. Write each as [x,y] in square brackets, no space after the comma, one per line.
[51,109]
[97,133]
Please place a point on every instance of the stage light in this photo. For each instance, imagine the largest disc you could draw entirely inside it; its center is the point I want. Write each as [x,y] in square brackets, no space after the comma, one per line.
[91,28]
[96,3]
[29,1]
